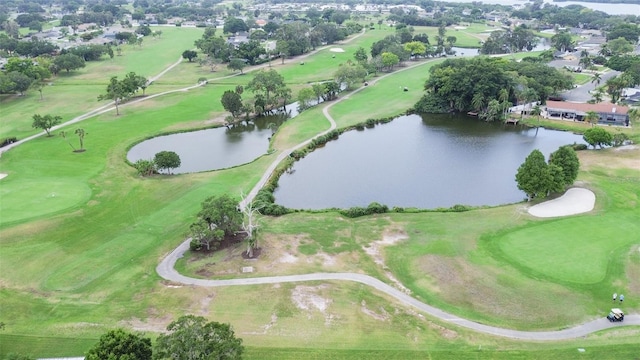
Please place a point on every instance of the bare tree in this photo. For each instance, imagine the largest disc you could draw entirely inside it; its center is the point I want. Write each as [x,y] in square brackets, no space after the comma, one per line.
[250,225]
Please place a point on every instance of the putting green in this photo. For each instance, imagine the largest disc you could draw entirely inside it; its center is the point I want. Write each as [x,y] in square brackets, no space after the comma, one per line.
[571,249]
[45,197]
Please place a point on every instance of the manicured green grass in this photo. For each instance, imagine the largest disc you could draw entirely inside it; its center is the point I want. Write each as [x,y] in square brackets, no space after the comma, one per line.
[464,38]
[387,95]
[581,78]
[73,94]
[544,248]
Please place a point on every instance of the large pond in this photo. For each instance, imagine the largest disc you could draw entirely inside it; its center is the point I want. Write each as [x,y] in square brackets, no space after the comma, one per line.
[211,149]
[425,162]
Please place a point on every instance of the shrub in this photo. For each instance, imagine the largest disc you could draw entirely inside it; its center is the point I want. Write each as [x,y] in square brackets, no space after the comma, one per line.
[8,141]
[459,208]
[195,245]
[375,208]
[357,211]
[354,212]
[145,167]
[578,147]
[620,139]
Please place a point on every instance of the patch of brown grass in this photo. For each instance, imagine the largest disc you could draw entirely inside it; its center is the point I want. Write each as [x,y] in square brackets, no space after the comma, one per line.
[494,292]
[627,157]
[633,271]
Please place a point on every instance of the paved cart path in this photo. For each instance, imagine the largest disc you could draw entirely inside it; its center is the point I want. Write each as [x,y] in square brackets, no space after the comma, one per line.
[166,269]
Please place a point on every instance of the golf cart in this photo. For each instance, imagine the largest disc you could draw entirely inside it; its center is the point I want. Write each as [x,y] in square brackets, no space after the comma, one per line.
[615,315]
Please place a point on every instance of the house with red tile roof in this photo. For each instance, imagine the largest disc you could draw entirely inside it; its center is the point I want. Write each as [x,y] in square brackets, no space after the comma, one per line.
[610,114]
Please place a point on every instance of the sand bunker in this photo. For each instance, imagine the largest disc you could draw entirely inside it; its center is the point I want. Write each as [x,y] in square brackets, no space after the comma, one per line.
[574,201]
[335,49]
[460,27]
[2,176]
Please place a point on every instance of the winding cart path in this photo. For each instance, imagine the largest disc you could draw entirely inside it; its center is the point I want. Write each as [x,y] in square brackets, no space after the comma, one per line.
[166,269]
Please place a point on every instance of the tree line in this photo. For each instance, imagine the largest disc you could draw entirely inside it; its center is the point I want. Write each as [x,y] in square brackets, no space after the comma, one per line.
[482,84]
[290,39]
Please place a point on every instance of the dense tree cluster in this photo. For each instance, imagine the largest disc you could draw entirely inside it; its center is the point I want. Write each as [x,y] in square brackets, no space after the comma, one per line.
[120,344]
[291,39]
[501,42]
[537,178]
[219,217]
[471,84]
[192,337]
[189,338]
[31,48]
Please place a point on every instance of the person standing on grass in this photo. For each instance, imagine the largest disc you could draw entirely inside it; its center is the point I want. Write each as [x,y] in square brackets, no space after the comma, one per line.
[615,295]
[621,298]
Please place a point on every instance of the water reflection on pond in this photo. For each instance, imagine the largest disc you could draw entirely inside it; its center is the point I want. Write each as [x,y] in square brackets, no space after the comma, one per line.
[212,149]
[430,162]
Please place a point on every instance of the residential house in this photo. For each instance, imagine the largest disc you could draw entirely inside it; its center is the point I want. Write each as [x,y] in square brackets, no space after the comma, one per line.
[610,114]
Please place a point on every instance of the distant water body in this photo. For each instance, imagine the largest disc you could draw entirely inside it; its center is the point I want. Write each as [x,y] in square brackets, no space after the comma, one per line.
[612,9]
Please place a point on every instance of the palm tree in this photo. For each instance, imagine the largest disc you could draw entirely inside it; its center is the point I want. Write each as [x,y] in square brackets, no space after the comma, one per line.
[478,102]
[80,132]
[585,61]
[537,110]
[529,96]
[634,114]
[604,50]
[598,94]
[584,53]
[596,78]
[614,87]
[592,117]
[503,97]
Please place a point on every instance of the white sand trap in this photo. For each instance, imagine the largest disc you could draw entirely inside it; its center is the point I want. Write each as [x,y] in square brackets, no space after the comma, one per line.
[335,49]
[574,201]
[460,27]
[2,176]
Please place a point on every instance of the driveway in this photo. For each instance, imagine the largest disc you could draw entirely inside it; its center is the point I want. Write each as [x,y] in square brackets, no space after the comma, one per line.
[582,94]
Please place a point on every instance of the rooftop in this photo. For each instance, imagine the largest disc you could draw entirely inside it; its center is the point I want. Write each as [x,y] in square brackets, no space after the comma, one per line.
[603,107]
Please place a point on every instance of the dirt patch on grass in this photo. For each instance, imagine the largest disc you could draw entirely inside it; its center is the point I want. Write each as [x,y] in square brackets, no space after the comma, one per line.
[444,332]
[287,258]
[307,298]
[310,300]
[374,249]
[150,324]
[380,316]
[265,327]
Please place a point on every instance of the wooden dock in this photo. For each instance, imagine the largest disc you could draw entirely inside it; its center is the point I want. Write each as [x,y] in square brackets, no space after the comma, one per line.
[511,121]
